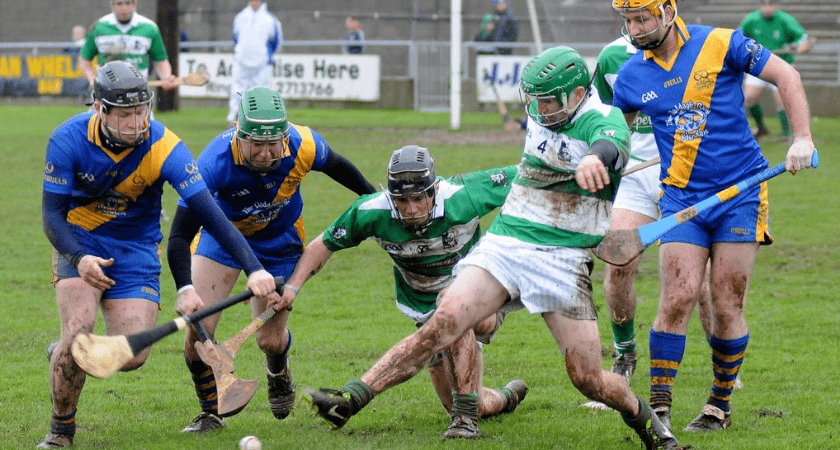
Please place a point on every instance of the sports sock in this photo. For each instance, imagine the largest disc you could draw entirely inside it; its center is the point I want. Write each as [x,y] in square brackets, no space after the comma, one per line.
[783,118]
[65,425]
[624,336]
[727,356]
[666,353]
[465,404]
[360,394]
[757,113]
[205,385]
[277,363]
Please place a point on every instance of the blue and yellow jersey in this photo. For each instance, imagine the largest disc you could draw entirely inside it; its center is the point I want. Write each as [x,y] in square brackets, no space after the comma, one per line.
[695,102]
[117,195]
[264,207]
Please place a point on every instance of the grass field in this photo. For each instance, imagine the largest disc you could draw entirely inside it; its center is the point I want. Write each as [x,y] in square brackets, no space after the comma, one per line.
[345,318]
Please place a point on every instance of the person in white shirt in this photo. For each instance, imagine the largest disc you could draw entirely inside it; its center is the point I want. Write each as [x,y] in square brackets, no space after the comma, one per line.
[257,35]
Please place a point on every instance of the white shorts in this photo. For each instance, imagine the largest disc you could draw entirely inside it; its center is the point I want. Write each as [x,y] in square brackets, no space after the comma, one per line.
[539,278]
[750,80]
[639,191]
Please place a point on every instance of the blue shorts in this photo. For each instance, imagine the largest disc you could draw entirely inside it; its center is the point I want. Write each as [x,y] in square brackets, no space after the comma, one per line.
[136,268]
[276,265]
[744,218]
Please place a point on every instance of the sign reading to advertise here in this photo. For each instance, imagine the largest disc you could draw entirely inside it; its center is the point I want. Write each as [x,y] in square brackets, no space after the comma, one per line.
[304,77]
[503,72]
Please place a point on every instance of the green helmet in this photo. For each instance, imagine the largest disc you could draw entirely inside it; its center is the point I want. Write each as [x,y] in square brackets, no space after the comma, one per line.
[555,73]
[262,118]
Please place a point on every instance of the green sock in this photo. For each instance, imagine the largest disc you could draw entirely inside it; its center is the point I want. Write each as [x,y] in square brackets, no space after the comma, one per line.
[465,404]
[757,113]
[624,336]
[360,394]
[783,118]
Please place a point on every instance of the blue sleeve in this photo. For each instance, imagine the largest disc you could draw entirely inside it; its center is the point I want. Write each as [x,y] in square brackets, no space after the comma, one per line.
[746,55]
[59,232]
[322,151]
[181,171]
[59,170]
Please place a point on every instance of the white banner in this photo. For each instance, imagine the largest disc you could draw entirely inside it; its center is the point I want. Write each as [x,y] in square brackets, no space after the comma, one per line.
[310,77]
[503,72]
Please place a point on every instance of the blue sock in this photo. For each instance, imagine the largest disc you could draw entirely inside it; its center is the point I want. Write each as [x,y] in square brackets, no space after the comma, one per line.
[666,353]
[727,356]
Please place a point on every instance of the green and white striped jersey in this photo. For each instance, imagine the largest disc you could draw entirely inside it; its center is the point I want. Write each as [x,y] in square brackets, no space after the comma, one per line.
[423,261]
[642,142]
[134,42]
[545,205]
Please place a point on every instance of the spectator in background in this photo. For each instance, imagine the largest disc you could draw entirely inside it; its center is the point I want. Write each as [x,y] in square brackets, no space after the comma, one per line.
[780,33]
[78,34]
[507,27]
[485,34]
[355,36]
[127,36]
[257,34]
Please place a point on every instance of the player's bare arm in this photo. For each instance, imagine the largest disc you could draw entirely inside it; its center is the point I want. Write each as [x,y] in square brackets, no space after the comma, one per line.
[787,79]
[314,258]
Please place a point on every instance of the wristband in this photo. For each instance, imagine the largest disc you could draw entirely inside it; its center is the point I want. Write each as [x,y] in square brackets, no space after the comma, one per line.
[291,288]
[184,288]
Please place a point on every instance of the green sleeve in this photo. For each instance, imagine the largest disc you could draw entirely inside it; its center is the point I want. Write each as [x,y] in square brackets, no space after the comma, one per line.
[158,51]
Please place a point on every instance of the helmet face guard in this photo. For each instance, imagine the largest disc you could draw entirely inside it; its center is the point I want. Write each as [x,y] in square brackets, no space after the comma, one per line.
[262,129]
[554,75]
[125,104]
[633,10]
[411,178]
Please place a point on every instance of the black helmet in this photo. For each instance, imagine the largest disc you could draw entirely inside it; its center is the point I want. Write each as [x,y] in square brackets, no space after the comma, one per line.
[118,84]
[411,171]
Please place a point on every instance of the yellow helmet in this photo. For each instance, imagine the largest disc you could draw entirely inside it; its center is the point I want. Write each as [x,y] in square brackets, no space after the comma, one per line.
[654,6]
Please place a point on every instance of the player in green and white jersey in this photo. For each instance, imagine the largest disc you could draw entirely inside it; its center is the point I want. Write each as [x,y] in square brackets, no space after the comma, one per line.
[128,36]
[427,224]
[535,255]
[782,34]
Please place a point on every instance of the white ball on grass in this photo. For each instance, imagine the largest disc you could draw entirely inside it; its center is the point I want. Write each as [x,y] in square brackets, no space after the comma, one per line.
[250,443]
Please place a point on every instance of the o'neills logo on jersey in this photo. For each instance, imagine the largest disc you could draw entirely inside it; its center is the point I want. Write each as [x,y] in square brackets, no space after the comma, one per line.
[672,82]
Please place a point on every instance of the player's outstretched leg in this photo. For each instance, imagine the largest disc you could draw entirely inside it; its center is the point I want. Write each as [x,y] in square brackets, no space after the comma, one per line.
[336,407]
[514,392]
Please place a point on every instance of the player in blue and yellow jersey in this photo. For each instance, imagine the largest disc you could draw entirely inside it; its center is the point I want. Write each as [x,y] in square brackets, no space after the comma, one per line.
[426,224]
[254,172]
[103,182]
[688,80]
[535,254]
